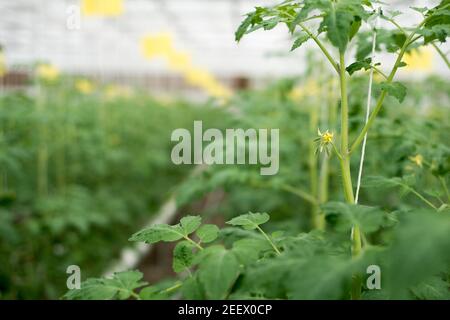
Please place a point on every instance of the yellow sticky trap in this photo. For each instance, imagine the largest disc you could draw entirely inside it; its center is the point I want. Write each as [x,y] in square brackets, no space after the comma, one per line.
[84,86]
[47,72]
[161,45]
[296,93]
[157,45]
[102,8]
[312,88]
[419,60]
[114,91]
[178,61]
[218,91]
[2,64]
[199,77]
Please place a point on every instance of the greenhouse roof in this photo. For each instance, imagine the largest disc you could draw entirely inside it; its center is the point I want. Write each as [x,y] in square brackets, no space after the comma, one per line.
[203,30]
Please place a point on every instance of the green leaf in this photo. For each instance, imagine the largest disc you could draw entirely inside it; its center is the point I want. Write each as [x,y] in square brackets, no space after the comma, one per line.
[345,216]
[420,9]
[393,14]
[434,288]
[358,65]
[391,40]
[244,26]
[192,289]
[399,39]
[419,250]
[383,182]
[299,41]
[217,272]
[208,233]
[165,232]
[342,21]
[268,276]
[249,250]
[190,223]
[437,25]
[120,286]
[270,23]
[354,28]
[321,277]
[395,89]
[152,293]
[158,232]
[308,6]
[438,32]
[338,25]
[254,21]
[250,220]
[183,256]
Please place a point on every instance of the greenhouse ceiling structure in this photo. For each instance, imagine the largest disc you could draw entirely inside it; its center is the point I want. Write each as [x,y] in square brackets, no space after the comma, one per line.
[82,39]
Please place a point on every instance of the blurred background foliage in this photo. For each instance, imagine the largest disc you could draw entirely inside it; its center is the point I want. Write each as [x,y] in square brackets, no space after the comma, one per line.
[86,115]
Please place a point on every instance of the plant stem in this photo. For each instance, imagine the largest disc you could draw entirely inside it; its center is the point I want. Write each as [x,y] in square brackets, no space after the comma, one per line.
[380,101]
[321,46]
[345,160]
[135,295]
[380,72]
[444,185]
[288,188]
[300,193]
[193,242]
[395,24]
[174,287]
[439,51]
[42,153]
[422,198]
[313,173]
[327,120]
[443,56]
[60,154]
[356,238]
[268,239]
[346,174]
[336,151]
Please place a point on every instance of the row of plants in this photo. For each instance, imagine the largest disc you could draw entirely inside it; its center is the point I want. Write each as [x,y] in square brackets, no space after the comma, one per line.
[405,210]
[301,234]
[82,166]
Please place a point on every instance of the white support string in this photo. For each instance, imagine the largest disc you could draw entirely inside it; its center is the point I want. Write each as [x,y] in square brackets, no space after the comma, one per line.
[369,98]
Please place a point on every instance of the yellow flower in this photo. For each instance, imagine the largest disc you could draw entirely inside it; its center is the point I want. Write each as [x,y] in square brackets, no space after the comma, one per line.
[326,137]
[84,86]
[417,159]
[47,72]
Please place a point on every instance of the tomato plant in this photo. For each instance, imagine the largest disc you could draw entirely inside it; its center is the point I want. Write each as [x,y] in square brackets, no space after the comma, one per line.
[341,22]
[83,166]
[317,243]
[62,159]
